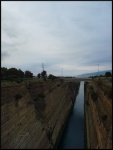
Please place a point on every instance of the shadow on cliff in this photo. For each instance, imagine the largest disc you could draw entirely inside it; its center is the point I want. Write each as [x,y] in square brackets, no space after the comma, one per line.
[40,105]
[38,97]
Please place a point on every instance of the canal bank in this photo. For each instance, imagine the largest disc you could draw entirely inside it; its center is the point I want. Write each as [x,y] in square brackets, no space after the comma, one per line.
[39,119]
[73,135]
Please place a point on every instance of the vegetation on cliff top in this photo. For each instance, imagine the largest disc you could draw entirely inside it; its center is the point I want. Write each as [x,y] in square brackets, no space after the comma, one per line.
[18,76]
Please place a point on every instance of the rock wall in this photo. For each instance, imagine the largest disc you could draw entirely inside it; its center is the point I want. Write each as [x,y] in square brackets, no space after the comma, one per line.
[98,114]
[33,115]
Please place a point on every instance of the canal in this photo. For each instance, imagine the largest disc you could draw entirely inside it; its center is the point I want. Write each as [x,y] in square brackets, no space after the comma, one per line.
[73,135]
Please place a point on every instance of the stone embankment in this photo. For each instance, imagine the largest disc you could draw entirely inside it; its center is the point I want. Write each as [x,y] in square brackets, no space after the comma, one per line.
[33,115]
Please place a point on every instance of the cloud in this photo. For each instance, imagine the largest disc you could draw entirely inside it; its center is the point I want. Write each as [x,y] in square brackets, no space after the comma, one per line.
[69,35]
[5,54]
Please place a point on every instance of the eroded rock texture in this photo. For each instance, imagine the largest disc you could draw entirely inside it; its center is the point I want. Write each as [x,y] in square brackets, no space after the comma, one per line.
[33,116]
[98,114]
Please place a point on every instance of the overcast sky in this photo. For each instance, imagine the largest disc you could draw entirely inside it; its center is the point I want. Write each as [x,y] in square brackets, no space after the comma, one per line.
[75,36]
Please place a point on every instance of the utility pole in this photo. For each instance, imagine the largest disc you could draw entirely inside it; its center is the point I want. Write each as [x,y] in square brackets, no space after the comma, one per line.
[61,72]
[42,67]
[98,70]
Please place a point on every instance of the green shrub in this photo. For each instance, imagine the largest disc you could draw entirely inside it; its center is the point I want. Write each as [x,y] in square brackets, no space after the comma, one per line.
[99,82]
[103,117]
[18,80]
[58,85]
[44,79]
[35,99]
[50,90]
[41,95]
[105,92]
[94,96]
[87,103]
[18,96]
[91,89]
[110,94]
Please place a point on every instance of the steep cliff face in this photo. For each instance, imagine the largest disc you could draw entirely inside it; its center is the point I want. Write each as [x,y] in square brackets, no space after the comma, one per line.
[34,115]
[98,114]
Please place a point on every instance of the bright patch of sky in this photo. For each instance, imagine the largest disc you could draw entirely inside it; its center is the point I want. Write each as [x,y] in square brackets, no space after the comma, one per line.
[75,36]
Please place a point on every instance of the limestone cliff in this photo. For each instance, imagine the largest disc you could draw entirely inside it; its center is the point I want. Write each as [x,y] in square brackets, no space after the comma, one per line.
[98,114]
[33,115]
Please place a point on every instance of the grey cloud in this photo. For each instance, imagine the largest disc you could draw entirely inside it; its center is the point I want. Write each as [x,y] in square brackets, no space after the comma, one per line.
[11,32]
[5,54]
[57,34]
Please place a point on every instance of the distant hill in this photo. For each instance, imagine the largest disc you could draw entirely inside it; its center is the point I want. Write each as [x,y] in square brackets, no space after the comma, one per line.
[94,73]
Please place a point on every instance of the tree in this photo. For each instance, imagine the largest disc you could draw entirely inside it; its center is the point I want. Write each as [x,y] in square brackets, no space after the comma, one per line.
[28,74]
[52,77]
[43,74]
[39,75]
[20,73]
[3,73]
[108,74]
[12,72]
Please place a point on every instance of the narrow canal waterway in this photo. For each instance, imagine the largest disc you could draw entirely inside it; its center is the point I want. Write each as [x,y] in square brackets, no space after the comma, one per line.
[73,135]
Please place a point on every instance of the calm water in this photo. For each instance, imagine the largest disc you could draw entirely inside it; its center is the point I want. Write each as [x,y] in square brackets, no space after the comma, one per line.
[73,136]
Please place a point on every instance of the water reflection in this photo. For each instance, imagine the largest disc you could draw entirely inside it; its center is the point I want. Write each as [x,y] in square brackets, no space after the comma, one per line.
[73,136]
